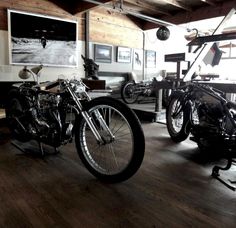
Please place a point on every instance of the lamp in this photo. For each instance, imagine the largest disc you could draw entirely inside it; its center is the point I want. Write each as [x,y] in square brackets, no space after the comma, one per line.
[163,33]
[24,73]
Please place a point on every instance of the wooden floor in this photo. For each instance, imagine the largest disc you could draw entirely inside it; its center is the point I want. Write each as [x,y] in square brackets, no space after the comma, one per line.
[173,188]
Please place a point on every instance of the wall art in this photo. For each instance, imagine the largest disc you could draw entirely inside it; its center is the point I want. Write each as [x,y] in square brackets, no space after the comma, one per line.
[38,39]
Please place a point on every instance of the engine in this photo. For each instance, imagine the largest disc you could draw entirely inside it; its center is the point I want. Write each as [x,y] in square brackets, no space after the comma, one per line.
[210,113]
[46,122]
[48,100]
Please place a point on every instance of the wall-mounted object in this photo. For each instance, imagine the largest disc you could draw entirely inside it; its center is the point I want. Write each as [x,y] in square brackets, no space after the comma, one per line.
[38,39]
[150,59]
[102,53]
[138,59]
[123,55]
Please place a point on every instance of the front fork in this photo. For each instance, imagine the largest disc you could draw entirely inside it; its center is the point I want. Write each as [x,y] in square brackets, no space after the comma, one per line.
[88,120]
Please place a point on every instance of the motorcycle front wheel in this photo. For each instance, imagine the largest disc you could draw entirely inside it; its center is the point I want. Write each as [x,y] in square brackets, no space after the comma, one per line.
[129,92]
[177,119]
[118,159]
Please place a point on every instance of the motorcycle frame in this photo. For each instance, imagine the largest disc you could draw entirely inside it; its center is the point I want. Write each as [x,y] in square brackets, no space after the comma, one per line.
[184,100]
[79,107]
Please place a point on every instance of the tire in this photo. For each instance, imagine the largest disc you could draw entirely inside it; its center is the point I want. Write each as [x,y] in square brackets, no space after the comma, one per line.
[16,116]
[128,92]
[165,97]
[178,127]
[118,159]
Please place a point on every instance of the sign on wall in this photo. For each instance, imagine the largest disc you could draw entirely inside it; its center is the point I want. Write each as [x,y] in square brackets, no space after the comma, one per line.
[37,39]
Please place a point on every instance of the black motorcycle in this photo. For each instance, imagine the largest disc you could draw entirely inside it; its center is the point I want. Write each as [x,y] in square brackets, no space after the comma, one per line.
[108,135]
[204,113]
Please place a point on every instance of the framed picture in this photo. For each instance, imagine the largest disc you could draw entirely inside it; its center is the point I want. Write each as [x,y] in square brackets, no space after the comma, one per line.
[150,59]
[123,55]
[102,53]
[37,39]
[138,59]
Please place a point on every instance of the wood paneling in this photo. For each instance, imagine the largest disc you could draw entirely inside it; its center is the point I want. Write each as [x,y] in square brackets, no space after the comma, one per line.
[3,19]
[105,26]
[114,28]
[44,7]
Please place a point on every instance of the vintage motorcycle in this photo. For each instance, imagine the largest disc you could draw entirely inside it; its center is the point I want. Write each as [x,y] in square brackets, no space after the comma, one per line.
[210,118]
[108,136]
[132,91]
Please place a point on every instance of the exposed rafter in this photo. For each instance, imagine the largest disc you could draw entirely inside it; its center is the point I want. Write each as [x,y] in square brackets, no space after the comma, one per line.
[151,13]
[209,2]
[200,13]
[75,6]
[178,4]
[147,6]
[83,6]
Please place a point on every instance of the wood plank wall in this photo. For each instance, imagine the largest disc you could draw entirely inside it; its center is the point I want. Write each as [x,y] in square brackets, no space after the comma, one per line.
[41,7]
[105,26]
[114,28]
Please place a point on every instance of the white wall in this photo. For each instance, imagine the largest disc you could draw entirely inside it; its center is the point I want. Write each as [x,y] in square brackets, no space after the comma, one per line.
[177,44]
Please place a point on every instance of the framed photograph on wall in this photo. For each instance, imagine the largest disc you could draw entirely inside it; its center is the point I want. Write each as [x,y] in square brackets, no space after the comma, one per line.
[102,53]
[150,59]
[123,55]
[138,59]
[38,39]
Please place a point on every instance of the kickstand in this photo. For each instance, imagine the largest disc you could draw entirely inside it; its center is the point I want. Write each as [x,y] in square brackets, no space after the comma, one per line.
[215,174]
[56,150]
[41,150]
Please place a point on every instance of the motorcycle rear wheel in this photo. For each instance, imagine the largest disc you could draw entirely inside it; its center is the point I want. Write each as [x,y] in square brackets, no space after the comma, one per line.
[128,92]
[16,117]
[118,159]
[177,120]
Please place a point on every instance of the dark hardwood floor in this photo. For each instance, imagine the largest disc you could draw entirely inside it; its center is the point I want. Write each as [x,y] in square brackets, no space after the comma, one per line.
[173,188]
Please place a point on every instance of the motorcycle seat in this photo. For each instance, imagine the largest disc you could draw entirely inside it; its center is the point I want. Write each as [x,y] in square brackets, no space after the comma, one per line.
[231,104]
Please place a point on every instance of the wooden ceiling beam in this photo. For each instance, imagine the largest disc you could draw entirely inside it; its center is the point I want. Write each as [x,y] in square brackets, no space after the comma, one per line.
[209,2]
[83,6]
[147,6]
[204,12]
[76,6]
[63,5]
[177,4]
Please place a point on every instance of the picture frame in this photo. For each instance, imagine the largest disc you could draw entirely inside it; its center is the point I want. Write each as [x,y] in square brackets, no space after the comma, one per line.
[123,55]
[102,53]
[138,59]
[150,58]
[38,39]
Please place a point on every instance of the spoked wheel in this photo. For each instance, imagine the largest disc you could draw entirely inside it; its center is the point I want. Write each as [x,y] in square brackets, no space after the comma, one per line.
[118,158]
[17,120]
[129,93]
[177,120]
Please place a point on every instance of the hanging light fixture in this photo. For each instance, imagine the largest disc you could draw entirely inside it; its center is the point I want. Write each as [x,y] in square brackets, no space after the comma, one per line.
[163,33]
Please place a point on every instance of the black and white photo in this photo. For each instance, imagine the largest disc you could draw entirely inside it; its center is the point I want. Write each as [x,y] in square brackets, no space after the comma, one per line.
[138,59]
[150,59]
[37,39]
[123,55]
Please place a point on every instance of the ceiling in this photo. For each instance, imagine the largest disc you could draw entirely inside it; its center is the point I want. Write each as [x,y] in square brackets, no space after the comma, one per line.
[148,13]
